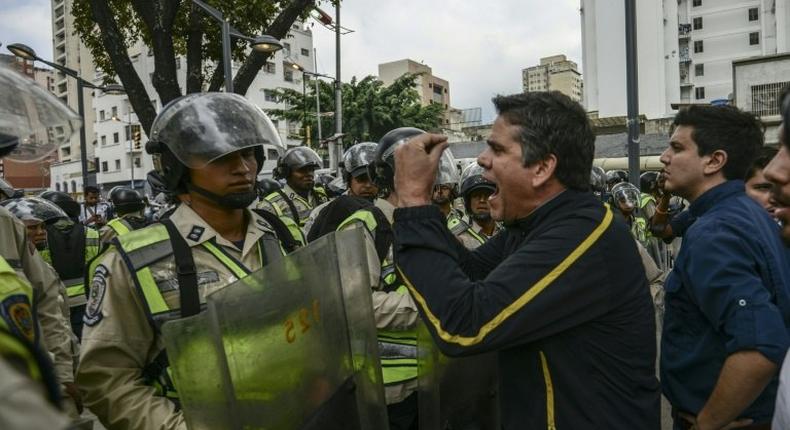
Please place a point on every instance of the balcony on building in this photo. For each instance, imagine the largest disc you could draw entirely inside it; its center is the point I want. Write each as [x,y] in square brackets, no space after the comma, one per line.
[684,31]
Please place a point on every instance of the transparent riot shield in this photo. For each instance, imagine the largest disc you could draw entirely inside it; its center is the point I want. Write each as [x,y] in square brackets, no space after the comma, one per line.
[292,346]
[456,393]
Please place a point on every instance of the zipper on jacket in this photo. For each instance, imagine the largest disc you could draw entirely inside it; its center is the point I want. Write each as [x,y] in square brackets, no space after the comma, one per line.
[549,392]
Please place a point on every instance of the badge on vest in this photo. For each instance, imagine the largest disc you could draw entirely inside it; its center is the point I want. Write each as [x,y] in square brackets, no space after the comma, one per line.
[196,232]
[93,313]
[18,316]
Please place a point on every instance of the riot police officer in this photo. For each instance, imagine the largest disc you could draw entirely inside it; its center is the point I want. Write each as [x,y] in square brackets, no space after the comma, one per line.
[70,247]
[208,150]
[479,226]
[300,194]
[128,205]
[32,323]
[445,191]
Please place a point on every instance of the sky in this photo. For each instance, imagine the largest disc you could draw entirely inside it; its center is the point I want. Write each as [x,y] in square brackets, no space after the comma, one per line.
[480,47]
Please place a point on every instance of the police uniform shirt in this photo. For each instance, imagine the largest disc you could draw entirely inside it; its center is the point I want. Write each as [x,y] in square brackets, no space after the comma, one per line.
[48,295]
[274,203]
[24,403]
[119,340]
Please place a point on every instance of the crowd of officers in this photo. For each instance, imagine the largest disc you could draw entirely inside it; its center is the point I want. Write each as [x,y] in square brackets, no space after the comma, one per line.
[106,276]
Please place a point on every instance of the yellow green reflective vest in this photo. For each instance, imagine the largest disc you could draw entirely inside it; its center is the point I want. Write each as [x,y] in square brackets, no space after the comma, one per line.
[120,226]
[398,348]
[142,248]
[458,226]
[277,201]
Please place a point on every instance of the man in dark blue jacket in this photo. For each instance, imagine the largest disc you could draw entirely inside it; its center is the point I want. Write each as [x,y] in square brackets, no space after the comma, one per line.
[561,293]
[727,298]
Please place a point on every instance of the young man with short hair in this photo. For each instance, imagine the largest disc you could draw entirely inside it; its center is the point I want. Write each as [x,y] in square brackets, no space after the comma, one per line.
[728,297]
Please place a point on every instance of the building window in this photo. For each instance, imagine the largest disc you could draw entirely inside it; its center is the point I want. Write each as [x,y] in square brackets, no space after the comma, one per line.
[137,162]
[699,93]
[699,70]
[697,23]
[128,132]
[73,186]
[305,52]
[115,138]
[57,186]
[288,75]
[754,38]
[104,141]
[65,187]
[104,166]
[114,112]
[117,164]
[101,115]
[287,49]
[696,3]
[698,47]
[269,67]
[270,96]
[753,14]
[765,98]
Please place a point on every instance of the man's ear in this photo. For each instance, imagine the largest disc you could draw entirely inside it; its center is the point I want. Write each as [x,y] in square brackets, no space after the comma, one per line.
[715,163]
[543,170]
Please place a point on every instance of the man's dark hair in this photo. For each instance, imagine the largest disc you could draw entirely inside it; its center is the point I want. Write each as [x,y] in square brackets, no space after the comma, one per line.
[764,156]
[726,128]
[552,123]
[91,189]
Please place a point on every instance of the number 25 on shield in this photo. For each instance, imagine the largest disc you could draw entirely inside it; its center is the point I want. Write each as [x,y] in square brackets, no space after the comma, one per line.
[305,319]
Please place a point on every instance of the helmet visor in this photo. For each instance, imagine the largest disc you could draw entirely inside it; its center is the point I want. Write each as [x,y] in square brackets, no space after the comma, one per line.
[33,117]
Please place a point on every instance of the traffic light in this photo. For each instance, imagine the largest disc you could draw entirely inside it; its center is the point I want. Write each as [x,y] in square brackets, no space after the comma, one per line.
[136,136]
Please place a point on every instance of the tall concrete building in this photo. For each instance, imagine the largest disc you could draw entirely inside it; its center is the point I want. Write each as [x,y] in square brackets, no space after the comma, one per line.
[432,89]
[685,49]
[555,73]
[69,51]
[122,161]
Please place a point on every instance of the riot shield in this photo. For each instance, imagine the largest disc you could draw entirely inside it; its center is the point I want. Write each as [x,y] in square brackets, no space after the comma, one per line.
[456,393]
[292,346]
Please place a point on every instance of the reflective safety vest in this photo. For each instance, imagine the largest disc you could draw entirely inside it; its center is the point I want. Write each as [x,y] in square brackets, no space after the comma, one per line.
[398,349]
[639,229]
[140,249]
[646,198]
[75,285]
[18,331]
[300,213]
[120,226]
[458,226]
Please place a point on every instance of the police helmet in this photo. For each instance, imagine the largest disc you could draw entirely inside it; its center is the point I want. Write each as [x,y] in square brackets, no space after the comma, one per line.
[193,130]
[382,169]
[648,181]
[598,180]
[33,210]
[626,194]
[267,186]
[357,158]
[472,179]
[448,171]
[33,122]
[337,187]
[126,200]
[614,177]
[295,159]
[63,201]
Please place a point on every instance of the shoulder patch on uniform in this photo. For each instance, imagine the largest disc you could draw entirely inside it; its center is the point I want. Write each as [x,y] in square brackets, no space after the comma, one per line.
[18,316]
[93,313]
[196,232]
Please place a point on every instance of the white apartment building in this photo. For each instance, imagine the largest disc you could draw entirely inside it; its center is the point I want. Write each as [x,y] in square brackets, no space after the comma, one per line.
[69,51]
[120,160]
[685,50]
[555,73]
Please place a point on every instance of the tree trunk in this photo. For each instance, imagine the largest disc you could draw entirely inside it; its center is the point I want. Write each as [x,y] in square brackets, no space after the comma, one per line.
[279,29]
[158,16]
[113,44]
[195,51]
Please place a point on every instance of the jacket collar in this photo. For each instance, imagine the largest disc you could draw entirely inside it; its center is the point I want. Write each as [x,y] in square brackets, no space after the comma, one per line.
[544,210]
[710,198]
[196,230]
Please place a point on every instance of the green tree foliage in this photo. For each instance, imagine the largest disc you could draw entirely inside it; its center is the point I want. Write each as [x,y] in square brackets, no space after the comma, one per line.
[370,109]
[175,28]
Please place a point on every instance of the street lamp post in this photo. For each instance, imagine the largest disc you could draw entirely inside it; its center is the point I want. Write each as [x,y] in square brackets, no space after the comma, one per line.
[27,53]
[263,43]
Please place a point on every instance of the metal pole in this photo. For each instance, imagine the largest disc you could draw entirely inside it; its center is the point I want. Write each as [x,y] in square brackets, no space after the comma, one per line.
[83,139]
[317,95]
[632,91]
[337,145]
[304,108]
[226,56]
[131,150]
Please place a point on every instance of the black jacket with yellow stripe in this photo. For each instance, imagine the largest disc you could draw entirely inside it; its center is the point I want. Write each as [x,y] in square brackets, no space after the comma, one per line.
[561,295]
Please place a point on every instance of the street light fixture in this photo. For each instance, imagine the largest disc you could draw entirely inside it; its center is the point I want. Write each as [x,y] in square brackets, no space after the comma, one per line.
[25,52]
[263,43]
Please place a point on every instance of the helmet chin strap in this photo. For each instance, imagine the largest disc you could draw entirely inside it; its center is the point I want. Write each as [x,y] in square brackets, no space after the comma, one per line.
[230,200]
